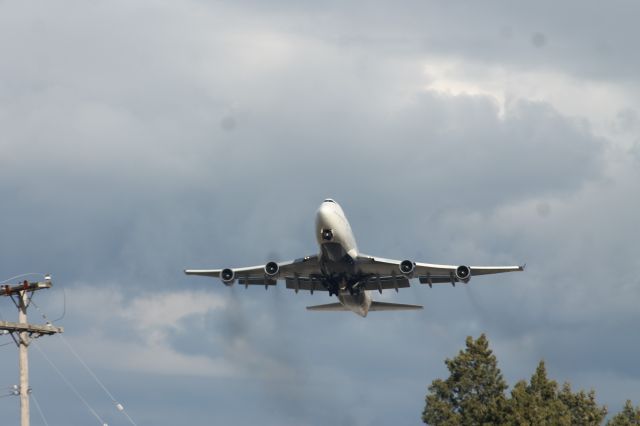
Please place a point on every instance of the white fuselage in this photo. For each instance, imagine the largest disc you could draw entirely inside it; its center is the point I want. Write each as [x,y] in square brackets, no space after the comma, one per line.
[338,252]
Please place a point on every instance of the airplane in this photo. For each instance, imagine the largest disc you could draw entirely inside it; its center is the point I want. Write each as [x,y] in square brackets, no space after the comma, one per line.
[341,270]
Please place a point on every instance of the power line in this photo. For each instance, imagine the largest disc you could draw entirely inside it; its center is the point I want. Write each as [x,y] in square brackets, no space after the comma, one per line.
[21,276]
[64,305]
[39,410]
[70,385]
[117,404]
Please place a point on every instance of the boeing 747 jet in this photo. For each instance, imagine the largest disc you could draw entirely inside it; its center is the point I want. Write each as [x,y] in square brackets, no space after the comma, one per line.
[343,271]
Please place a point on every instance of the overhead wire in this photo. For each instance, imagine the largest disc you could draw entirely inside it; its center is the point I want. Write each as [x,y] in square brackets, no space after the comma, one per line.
[33,397]
[117,404]
[5,333]
[64,305]
[21,276]
[1,316]
[42,314]
[11,389]
[70,385]
[27,274]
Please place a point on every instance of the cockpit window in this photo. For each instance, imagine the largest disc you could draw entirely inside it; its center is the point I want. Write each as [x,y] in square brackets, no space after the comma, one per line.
[329,200]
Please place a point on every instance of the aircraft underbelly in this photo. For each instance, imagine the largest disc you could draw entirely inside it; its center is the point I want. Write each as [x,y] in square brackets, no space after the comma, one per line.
[357,303]
[333,252]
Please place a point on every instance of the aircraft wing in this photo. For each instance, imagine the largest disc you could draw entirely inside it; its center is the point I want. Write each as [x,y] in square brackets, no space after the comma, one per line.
[378,273]
[301,274]
[427,273]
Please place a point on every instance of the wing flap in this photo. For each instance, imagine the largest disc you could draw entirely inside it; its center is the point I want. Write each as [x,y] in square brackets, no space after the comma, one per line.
[305,283]
[384,283]
[431,279]
[256,281]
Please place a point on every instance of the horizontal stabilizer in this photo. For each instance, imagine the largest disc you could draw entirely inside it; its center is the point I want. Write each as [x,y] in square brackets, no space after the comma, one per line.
[328,307]
[383,306]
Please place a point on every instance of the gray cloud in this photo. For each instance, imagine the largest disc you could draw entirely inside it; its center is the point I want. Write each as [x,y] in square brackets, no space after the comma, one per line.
[139,140]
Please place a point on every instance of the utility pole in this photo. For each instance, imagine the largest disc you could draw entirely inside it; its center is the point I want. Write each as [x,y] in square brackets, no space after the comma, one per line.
[22,333]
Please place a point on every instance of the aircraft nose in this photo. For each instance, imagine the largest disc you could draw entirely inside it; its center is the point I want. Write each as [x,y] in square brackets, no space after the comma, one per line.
[321,218]
[325,212]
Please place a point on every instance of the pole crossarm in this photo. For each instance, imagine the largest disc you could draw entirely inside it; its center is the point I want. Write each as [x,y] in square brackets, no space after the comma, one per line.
[10,290]
[17,327]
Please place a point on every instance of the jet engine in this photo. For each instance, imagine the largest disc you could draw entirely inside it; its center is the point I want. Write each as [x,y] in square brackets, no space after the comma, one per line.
[463,273]
[228,277]
[407,267]
[271,269]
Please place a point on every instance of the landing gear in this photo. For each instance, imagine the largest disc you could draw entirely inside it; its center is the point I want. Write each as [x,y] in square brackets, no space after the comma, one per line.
[339,283]
[333,289]
[354,289]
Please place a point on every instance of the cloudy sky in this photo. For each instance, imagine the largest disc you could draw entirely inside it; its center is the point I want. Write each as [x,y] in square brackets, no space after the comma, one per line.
[141,138]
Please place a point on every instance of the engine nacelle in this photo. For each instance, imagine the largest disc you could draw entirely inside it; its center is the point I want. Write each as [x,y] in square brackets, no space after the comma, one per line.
[271,269]
[228,277]
[463,273]
[407,267]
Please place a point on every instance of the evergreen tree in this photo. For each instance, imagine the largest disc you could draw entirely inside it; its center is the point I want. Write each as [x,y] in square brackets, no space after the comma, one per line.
[582,406]
[537,403]
[629,416]
[474,392]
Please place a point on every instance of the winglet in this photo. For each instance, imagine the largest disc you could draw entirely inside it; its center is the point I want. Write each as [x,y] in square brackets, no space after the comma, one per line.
[523,266]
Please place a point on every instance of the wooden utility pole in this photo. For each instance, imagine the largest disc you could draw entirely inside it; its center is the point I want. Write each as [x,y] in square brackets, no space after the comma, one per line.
[22,333]
[24,359]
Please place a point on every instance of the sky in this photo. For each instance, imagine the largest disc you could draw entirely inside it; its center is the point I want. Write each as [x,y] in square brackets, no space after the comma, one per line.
[141,138]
